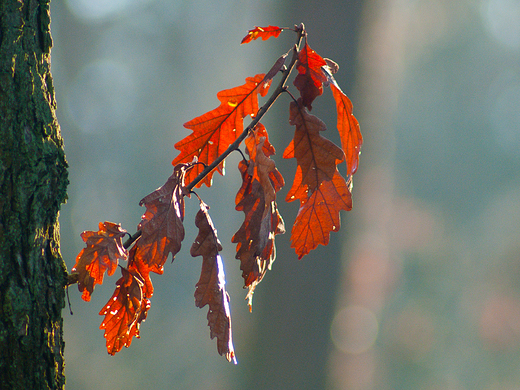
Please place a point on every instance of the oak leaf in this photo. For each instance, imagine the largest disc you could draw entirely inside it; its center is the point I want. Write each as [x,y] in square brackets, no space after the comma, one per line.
[315,155]
[348,127]
[262,32]
[319,214]
[322,191]
[310,77]
[161,225]
[257,199]
[137,264]
[215,130]
[347,124]
[103,250]
[210,289]
[124,312]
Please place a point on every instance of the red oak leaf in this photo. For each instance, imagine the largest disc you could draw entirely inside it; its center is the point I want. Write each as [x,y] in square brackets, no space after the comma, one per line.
[103,250]
[210,289]
[262,32]
[322,191]
[137,264]
[348,126]
[161,225]
[310,77]
[214,131]
[124,312]
[319,214]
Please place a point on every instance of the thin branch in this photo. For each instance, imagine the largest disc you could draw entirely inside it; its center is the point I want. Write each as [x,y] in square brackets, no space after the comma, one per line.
[132,239]
[263,110]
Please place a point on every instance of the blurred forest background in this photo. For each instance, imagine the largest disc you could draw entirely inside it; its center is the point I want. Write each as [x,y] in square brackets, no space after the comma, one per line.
[420,289]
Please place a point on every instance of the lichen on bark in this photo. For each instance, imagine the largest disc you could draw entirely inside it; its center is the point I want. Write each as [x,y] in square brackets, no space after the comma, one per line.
[33,181]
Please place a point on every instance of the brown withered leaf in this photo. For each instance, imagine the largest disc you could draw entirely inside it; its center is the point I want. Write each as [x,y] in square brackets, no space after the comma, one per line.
[315,155]
[277,67]
[124,312]
[161,225]
[210,289]
[257,199]
[322,191]
[103,250]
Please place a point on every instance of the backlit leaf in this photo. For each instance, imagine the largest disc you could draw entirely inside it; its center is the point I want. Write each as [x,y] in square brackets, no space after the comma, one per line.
[310,77]
[322,191]
[211,287]
[137,264]
[257,199]
[262,32]
[124,312]
[214,131]
[348,126]
[319,215]
[161,225]
[103,250]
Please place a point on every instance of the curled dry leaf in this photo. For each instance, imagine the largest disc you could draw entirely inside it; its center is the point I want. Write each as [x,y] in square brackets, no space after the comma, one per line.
[103,250]
[257,199]
[277,67]
[161,225]
[211,287]
[332,66]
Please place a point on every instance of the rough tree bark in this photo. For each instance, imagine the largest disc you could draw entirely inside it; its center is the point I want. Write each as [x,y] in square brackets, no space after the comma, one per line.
[33,181]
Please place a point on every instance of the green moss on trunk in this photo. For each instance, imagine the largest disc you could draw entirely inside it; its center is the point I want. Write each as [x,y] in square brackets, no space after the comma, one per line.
[33,180]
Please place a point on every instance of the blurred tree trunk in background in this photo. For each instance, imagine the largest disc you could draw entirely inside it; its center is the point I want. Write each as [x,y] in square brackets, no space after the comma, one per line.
[295,303]
[33,181]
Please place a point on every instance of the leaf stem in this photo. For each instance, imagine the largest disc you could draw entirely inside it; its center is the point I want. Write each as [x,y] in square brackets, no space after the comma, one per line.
[132,238]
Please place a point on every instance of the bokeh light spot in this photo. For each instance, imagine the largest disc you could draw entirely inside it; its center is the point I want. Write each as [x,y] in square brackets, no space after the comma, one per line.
[354,329]
[94,10]
[101,97]
[502,19]
[505,117]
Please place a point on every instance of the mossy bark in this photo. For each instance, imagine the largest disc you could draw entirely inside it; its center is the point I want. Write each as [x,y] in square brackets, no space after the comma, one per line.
[33,181]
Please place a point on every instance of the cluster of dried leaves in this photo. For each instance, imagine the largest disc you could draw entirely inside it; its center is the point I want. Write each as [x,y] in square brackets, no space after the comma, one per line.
[322,191]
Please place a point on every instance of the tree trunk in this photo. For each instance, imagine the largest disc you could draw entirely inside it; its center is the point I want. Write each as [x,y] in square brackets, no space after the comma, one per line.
[33,180]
